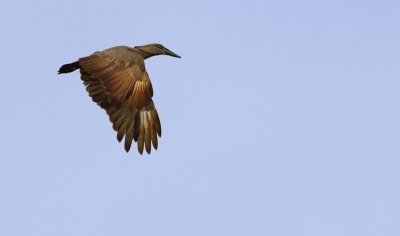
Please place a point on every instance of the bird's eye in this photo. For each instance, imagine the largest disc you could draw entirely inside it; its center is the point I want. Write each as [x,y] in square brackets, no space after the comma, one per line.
[159,46]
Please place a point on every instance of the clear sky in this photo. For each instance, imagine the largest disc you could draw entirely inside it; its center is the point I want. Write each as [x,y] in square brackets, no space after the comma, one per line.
[281,118]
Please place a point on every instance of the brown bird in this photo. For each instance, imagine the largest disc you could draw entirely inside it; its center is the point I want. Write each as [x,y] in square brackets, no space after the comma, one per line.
[116,79]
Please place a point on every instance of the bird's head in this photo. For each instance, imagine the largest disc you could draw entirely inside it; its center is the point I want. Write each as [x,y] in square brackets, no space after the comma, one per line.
[155,49]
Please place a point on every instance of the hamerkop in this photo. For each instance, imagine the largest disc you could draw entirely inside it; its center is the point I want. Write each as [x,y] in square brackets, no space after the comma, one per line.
[116,79]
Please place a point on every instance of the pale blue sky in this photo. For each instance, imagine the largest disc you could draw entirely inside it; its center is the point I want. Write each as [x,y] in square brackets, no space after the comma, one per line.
[281,118]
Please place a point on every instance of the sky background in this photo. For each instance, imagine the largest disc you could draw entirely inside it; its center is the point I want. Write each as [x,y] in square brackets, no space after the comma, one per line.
[281,118]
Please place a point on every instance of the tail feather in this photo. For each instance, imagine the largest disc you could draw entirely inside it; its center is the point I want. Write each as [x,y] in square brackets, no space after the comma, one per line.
[67,68]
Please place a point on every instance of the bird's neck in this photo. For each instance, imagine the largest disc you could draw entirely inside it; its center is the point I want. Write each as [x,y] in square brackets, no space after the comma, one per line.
[145,53]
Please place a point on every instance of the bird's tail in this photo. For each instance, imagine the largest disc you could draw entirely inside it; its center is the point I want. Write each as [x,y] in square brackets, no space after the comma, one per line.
[67,68]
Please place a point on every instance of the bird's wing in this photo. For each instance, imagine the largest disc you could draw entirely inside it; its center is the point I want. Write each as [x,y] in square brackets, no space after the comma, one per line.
[120,79]
[143,126]
[124,90]
[95,89]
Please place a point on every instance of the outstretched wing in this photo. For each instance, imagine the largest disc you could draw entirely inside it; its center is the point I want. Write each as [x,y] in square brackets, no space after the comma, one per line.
[122,78]
[120,84]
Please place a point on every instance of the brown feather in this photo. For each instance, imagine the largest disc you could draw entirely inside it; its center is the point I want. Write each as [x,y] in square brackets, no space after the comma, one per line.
[140,141]
[147,135]
[156,121]
[123,128]
[154,136]
[140,96]
[136,131]
[128,137]
[118,122]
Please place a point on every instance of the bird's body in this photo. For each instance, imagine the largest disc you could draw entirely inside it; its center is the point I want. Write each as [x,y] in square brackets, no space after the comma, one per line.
[117,80]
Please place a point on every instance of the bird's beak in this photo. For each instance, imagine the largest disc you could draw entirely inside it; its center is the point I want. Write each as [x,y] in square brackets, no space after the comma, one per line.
[171,53]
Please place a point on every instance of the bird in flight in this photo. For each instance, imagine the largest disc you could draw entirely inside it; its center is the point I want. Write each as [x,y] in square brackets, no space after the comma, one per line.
[116,79]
